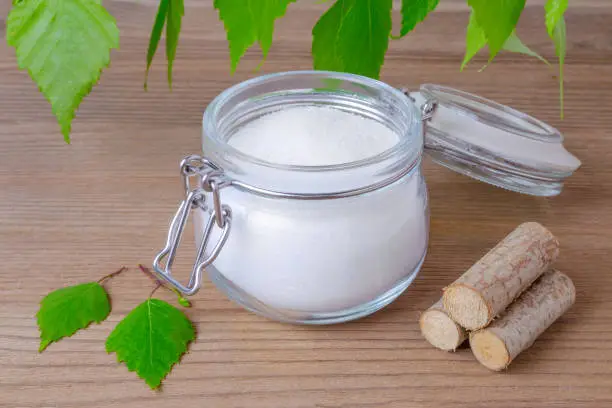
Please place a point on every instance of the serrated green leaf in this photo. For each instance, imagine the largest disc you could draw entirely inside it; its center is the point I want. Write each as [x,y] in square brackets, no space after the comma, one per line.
[514,44]
[247,22]
[64,44]
[475,40]
[169,14]
[555,9]
[560,40]
[65,311]
[353,36]
[497,18]
[156,32]
[414,12]
[325,55]
[176,11]
[555,25]
[151,339]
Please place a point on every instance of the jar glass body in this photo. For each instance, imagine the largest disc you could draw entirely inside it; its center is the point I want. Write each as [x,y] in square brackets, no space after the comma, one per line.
[318,244]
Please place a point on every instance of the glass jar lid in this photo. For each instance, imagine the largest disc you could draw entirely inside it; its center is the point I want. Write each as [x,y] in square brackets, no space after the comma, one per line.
[494,143]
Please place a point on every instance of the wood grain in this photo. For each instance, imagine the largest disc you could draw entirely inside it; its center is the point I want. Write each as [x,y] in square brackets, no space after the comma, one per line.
[70,214]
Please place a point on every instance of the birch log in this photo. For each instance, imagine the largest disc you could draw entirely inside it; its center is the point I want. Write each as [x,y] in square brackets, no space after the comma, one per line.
[440,330]
[532,313]
[490,285]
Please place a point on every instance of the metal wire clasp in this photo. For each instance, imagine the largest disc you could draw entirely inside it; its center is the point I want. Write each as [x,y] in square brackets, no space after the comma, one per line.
[211,181]
[428,108]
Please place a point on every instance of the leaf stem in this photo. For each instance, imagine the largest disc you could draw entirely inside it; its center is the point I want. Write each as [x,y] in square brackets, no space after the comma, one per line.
[561,91]
[182,301]
[159,285]
[150,274]
[112,275]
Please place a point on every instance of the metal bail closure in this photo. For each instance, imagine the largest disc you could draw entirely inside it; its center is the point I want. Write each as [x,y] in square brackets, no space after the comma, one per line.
[220,216]
[491,142]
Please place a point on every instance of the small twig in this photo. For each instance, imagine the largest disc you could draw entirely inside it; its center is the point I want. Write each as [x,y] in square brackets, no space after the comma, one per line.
[159,285]
[182,301]
[112,275]
[150,274]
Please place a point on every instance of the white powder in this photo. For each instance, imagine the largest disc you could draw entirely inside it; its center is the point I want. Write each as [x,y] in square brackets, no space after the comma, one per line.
[322,256]
[313,136]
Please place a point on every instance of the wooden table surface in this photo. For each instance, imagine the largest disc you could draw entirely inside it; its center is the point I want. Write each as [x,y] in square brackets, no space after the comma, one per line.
[71,214]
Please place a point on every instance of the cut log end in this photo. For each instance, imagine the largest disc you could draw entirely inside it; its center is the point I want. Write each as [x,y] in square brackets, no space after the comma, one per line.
[467,307]
[524,321]
[491,284]
[490,350]
[441,331]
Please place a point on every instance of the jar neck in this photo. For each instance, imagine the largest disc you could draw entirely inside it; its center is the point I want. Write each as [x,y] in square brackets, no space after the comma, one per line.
[371,99]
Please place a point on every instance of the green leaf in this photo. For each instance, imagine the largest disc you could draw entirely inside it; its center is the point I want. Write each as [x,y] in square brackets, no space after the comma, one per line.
[559,38]
[498,18]
[176,11]
[514,44]
[414,12]
[325,53]
[156,32]
[151,339]
[555,25]
[183,302]
[353,36]
[555,9]
[475,40]
[64,44]
[169,14]
[65,311]
[247,22]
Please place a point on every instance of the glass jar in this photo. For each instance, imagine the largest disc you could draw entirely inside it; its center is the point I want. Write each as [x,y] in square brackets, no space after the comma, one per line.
[330,243]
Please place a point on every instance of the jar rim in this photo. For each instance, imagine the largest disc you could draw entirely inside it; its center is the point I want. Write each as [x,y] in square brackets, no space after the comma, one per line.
[211,131]
[492,113]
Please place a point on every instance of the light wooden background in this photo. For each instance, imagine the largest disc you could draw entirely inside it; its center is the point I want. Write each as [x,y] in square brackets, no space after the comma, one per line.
[71,214]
